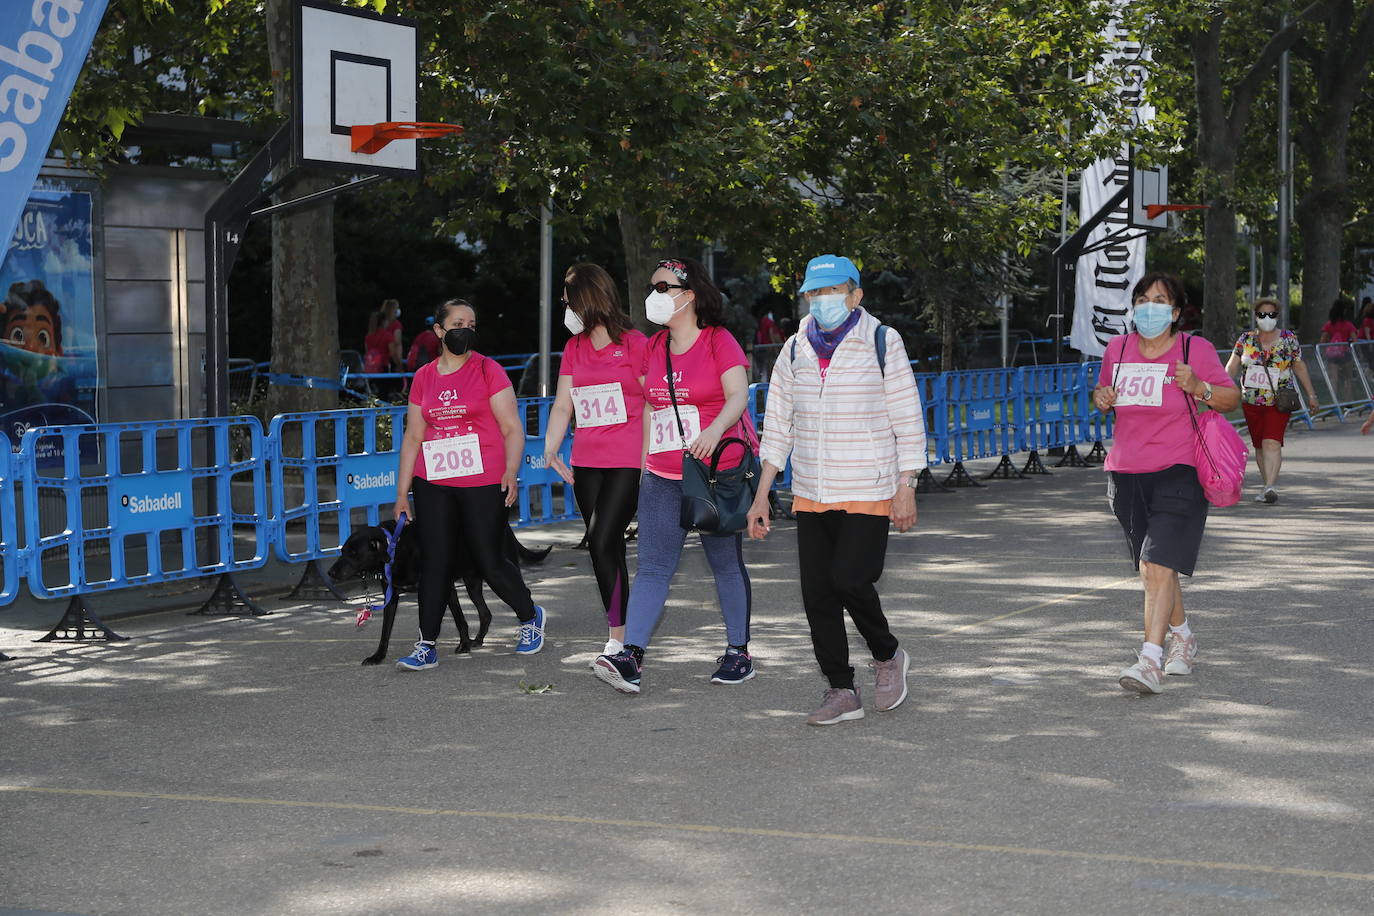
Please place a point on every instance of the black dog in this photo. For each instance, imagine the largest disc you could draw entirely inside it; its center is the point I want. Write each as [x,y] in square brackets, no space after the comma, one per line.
[364,556]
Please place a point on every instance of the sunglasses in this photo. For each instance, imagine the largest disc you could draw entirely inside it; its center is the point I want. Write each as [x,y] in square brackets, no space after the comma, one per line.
[1266,314]
[662,286]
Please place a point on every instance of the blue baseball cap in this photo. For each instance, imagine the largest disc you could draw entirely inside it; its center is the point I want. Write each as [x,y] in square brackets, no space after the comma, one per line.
[828,270]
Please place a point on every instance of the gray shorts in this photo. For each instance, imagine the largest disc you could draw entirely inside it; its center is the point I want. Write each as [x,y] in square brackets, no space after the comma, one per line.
[1163,514]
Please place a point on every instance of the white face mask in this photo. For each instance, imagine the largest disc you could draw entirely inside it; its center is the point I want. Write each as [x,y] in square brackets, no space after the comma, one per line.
[660,308]
[572,322]
[1267,324]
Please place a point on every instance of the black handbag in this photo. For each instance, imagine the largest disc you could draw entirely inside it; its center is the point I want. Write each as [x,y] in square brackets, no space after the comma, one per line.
[714,501]
[1285,399]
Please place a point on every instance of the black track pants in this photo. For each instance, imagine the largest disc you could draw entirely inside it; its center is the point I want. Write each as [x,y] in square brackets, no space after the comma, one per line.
[471,520]
[841,559]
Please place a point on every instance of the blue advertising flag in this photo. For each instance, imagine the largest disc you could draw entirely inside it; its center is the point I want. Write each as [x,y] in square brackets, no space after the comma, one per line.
[43,44]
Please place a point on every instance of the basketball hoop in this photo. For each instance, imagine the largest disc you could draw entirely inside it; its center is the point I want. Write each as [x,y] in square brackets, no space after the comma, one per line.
[369,138]
[1152,211]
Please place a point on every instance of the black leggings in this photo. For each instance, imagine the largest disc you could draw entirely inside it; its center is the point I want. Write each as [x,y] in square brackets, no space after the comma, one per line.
[471,520]
[607,499]
[841,559]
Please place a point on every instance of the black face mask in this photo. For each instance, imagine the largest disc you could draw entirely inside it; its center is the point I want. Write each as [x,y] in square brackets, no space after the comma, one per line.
[460,340]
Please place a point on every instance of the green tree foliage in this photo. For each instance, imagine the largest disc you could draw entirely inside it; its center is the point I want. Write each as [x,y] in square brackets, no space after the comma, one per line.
[198,57]
[915,136]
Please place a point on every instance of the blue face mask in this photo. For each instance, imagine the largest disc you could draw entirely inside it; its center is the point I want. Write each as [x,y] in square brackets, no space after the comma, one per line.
[829,311]
[1153,318]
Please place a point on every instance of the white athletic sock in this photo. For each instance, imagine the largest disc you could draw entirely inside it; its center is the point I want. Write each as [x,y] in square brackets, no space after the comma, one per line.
[1182,631]
[613,646]
[1153,650]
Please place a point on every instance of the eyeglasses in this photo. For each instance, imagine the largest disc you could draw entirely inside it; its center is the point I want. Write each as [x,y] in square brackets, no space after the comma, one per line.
[662,286]
[1266,314]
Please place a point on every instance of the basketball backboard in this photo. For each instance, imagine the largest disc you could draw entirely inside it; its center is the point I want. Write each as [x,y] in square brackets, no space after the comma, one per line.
[1149,186]
[353,66]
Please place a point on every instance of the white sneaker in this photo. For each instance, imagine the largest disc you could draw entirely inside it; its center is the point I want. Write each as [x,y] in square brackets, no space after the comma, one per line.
[1143,677]
[1270,495]
[1180,655]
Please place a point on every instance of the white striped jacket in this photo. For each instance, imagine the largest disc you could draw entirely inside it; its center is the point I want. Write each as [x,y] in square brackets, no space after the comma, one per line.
[848,438]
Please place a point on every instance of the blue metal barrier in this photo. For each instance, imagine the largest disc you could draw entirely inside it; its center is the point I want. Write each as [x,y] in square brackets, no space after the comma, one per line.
[178,492]
[758,407]
[9,540]
[1094,426]
[328,469]
[931,387]
[978,404]
[1049,411]
[554,497]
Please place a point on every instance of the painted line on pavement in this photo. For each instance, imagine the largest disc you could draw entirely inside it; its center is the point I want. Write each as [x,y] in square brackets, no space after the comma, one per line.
[1036,607]
[1030,851]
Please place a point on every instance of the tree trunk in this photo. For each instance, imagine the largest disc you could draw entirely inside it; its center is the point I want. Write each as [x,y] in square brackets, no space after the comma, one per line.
[1217,146]
[1220,128]
[305,321]
[1340,70]
[1321,214]
[305,324]
[640,258]
[1219,273]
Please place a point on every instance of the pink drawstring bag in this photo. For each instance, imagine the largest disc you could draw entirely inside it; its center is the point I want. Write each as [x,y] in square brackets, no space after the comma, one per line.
[1220,457]
[1219,454]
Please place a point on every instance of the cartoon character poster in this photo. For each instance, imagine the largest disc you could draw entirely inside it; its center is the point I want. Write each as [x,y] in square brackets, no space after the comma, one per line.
[48,371]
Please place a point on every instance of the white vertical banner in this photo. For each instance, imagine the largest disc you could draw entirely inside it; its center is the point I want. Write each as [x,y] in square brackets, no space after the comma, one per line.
[1104,278]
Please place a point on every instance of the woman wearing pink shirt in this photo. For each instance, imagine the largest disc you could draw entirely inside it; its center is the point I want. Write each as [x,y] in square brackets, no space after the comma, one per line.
[462,447]
[710,382]
[601,382]
[1148,378]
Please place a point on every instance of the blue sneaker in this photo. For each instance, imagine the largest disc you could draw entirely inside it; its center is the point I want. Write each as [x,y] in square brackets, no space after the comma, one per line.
[620,670]
[424,656]
[736,667]
[531,634]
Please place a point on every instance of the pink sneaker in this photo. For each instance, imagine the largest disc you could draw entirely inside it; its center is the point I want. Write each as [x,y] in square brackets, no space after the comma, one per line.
[1179,658]
[1145,676]
[839,705]
[890,690]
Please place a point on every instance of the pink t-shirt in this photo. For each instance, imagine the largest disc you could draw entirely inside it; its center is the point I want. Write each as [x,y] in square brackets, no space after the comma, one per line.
[1340,331]
[597,443]
[1152,438]
[696,376]
[459,404]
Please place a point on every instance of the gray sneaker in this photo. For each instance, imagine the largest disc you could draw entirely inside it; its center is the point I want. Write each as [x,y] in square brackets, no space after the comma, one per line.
[840,705]
[891,675]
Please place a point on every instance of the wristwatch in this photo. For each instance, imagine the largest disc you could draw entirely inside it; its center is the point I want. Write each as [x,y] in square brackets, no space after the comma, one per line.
[912,482]
[1207,391]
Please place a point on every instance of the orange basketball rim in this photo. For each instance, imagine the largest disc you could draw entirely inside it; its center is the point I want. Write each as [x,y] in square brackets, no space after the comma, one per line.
[369,138]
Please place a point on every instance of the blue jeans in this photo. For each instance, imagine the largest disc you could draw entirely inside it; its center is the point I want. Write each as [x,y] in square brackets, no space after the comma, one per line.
[660,548]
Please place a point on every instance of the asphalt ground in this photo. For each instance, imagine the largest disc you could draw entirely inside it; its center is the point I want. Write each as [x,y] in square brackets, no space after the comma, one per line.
[236,765]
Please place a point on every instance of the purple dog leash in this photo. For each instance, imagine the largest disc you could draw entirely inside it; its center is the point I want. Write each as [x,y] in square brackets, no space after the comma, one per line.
[365,613]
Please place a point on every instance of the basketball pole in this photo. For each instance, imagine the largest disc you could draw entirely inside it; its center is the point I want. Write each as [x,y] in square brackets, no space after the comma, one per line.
[225,222]
[1285,214]
[545,293]
[1066,260]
